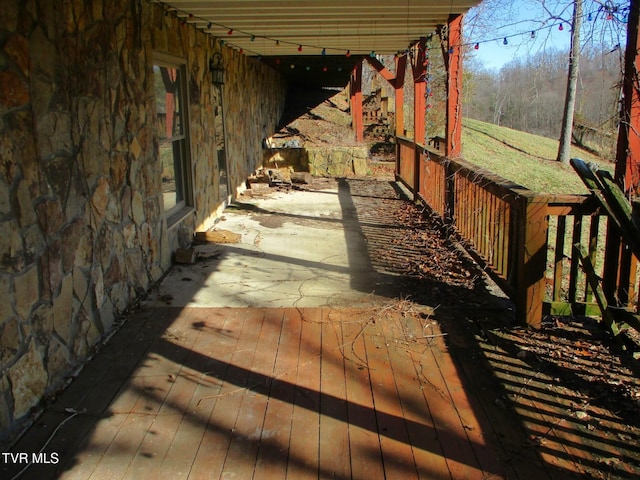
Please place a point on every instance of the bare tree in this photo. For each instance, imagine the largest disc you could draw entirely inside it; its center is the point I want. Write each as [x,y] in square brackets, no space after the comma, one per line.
[564,149]
[606,28]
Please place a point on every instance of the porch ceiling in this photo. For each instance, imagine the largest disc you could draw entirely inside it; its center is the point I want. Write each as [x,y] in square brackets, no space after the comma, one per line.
[297,31]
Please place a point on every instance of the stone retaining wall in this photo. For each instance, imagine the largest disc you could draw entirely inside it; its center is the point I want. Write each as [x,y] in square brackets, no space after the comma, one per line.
[320,161]
[81,215]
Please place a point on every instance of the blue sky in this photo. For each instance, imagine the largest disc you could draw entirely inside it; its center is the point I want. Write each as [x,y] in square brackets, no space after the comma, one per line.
[494,20]
[494,54]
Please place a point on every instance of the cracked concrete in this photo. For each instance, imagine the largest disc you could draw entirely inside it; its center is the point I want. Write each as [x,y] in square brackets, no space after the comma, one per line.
[301,248]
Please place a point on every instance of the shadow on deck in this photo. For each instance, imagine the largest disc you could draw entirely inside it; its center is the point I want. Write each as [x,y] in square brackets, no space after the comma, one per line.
[306,357]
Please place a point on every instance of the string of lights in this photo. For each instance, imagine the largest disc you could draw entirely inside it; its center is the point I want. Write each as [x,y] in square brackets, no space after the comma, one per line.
[608,11]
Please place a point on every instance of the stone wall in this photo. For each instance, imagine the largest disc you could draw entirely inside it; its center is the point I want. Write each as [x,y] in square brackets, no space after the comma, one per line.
[320,161]
[81,214]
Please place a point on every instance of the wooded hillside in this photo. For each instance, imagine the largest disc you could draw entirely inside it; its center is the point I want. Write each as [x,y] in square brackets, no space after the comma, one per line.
[528,95]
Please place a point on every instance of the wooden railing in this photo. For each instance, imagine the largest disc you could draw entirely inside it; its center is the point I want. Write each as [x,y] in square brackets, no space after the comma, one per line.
[524,239]
[578,219]
[573,219]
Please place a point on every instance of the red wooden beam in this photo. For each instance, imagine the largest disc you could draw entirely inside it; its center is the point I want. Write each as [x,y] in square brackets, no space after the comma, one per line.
[356,101]
[453,62]
[401,65]
[382,70]
[628,150]
[419,68]
[627,170]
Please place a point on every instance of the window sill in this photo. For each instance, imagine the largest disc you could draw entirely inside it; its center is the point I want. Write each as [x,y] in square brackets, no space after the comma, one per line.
[174,217]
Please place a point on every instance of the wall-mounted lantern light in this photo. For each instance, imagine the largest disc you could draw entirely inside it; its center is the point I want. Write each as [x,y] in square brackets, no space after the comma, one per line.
[217,69]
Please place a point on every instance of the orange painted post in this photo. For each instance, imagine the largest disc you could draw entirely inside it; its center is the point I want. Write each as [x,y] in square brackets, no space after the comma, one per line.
[532,259]
[453,132]
[356,101]
[628,151]
[627,171]
[419,69]
[401,65]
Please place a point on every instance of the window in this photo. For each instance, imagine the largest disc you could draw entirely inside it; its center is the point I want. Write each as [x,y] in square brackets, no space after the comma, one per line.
[172,129]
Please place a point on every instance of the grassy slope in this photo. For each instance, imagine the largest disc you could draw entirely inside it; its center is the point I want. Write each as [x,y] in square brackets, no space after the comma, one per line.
[522,157]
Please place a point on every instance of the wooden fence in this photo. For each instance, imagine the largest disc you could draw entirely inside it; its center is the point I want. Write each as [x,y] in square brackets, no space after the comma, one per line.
[524,239]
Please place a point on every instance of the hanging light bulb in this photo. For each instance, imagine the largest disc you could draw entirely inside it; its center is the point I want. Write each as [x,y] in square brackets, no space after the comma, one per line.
[476,46]
[348,54]
[372,54]
[561,27]
[589,17]
[230,32]
[277,43]
[209,25]
[505,41]
[324,52]
[253,38]
[533,34]
[299,48]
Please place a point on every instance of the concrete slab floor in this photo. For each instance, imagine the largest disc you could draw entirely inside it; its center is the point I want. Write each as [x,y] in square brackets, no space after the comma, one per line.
[298,248]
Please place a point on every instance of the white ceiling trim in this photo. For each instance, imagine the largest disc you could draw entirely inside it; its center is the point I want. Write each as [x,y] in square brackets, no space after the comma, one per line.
[279,28]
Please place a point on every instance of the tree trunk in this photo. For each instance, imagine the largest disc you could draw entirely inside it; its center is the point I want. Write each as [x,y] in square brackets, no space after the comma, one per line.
[572,85]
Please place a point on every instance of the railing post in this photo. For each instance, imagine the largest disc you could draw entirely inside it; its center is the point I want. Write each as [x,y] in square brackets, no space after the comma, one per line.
[398,150]
[531,258]
[401,64]
[356,101]
[453,64]
[449,192]
[416,171]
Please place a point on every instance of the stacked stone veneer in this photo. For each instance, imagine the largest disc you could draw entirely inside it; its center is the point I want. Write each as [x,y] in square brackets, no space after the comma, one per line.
[337,161]
[82,229]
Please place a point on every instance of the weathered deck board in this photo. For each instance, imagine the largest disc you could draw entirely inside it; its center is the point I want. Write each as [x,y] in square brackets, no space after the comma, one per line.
[364,443]
[280,393]
[424,437]
[252,402]
[397,455]
[222,403]
[276,432]
[183,385]
[303,461]
[334,422]
[96,392]
[505,431]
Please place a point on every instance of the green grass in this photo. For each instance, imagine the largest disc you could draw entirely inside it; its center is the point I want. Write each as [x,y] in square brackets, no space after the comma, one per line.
[524,158]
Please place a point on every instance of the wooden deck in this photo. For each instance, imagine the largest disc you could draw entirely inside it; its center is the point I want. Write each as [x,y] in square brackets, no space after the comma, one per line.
[277,393]
[441,388]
